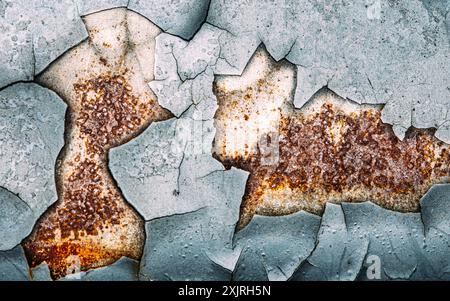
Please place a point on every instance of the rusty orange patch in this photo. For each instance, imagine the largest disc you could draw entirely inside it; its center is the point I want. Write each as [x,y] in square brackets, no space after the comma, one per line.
[366,162]
[332,150]
[91,220]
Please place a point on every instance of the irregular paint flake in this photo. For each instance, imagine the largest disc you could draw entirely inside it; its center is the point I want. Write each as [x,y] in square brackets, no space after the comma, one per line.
[435,208]
[184,72]
[41,273]
[331,150]
[124,269]
[177,250]
[109,104]
[13,265]
[336,255]
[154,160]
[394,238]
[35,34]
[181,17]
[31,136]
[194,245]
[15,219]
[274,247]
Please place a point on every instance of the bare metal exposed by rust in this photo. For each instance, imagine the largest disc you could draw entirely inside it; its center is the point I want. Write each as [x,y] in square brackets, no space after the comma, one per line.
[332,150]
[109,104]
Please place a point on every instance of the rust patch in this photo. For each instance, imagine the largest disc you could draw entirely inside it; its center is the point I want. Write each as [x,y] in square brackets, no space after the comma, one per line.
[330,151]
[91,220]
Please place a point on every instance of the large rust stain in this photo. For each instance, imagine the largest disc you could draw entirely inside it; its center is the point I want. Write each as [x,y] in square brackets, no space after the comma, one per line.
[330,151]
[91,225]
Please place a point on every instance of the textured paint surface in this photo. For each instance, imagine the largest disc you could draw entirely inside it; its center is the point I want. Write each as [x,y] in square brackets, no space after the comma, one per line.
[189,234]
[385,64]
[34,35]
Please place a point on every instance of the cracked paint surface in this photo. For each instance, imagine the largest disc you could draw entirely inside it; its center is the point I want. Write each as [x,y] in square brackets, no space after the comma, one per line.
[186,228]
[32,127]
[29,40]
[273,247]
[384,64]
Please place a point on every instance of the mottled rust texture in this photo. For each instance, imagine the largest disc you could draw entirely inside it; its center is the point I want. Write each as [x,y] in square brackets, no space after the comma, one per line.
[332,150]
[367,162]
[91,219]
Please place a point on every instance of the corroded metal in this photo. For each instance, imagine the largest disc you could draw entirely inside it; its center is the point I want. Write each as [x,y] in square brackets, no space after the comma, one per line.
[92,225]
[332,150]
